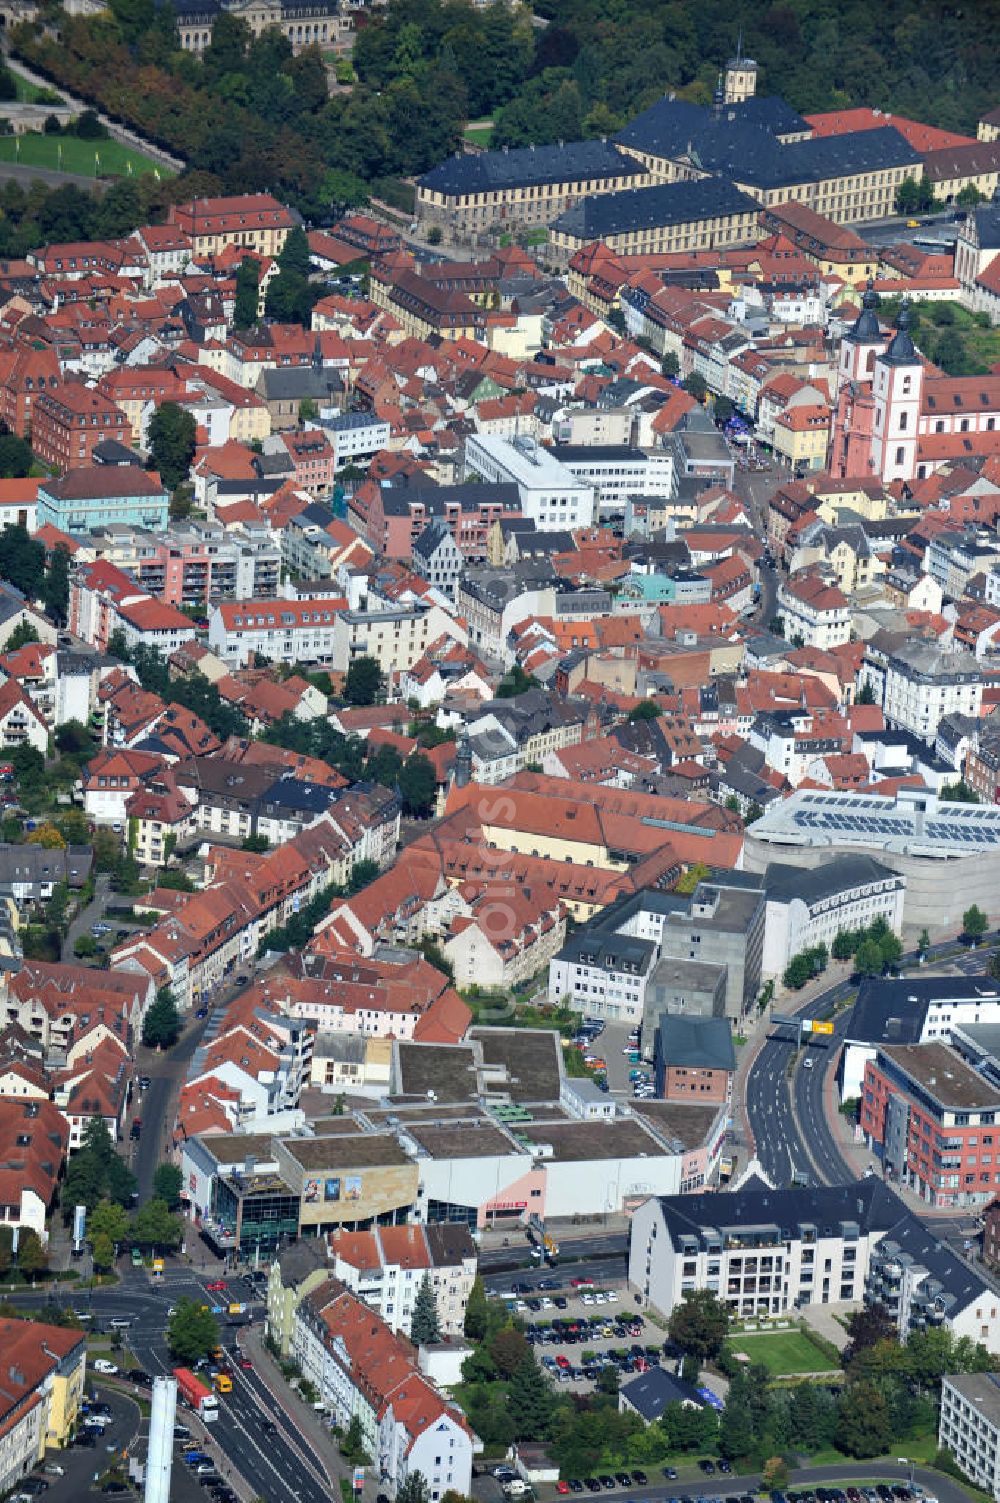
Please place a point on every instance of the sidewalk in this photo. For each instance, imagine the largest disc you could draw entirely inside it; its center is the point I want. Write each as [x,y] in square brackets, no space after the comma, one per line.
[315,1434]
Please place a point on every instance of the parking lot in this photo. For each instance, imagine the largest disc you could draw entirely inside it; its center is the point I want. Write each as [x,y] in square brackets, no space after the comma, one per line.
[608,1048]
[563,1327]
[912,1492]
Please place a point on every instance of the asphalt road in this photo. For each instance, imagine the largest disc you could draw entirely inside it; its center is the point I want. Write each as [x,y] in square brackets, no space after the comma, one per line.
[608,1270]
[573,1251]
[791,1143]
[280,1467]
[91,914]
[158,1105]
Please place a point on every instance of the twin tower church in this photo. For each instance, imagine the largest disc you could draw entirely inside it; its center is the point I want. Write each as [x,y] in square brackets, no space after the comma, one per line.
[897,417]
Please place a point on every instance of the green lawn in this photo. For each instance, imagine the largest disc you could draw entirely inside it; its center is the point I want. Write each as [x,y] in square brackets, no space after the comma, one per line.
[29,93]
[479,135]
[783,1352]
[86,158]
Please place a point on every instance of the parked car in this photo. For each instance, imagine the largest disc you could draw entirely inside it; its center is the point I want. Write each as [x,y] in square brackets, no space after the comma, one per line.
[102,1365]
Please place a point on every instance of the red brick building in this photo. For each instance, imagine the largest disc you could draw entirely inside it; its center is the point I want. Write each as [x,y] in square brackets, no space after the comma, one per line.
[694,1059]
[934,1121]
[392,517]
[24,375]
[71,421]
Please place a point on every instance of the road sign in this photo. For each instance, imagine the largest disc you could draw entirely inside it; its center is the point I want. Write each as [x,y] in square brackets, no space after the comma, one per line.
[818,1027]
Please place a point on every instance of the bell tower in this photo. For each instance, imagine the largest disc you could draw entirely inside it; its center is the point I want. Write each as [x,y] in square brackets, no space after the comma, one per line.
[898,388]
[741,76]
[862,342]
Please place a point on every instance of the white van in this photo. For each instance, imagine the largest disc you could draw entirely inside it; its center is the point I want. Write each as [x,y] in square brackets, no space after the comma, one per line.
[120,1322]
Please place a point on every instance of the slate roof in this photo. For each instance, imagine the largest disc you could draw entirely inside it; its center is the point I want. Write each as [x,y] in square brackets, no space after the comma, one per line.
[651,1392]
[696,1043]
[867,1203]
[605,214]
[396,500]
[893,1012]
[742,143]
[490,171]
[784,882]
[988,226]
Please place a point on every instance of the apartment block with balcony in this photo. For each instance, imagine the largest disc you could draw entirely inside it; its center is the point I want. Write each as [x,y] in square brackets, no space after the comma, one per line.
[93,496]
[934,1121]
[766,1252]
[193,562]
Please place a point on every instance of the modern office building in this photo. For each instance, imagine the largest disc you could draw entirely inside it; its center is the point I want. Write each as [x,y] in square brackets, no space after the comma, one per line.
[934,1121]
[618,471]
[551,495]
[662,952]
[969,1426]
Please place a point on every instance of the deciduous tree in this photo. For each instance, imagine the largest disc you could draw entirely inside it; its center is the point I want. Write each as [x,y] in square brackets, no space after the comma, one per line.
[172,431]
[168,1181]
[974,922]
[161,1026]
[864,1425]
[363,684]
[699,1324]
[192,1332]
[417,784]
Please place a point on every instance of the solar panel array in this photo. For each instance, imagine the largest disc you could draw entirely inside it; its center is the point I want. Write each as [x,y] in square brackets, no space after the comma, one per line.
[963,828]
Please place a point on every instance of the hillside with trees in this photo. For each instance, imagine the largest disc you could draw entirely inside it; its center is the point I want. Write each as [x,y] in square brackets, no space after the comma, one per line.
[248,115]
